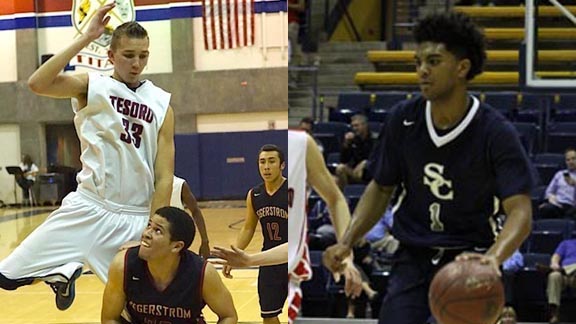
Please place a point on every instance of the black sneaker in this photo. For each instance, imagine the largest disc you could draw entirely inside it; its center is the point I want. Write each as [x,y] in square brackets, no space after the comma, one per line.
[65,291]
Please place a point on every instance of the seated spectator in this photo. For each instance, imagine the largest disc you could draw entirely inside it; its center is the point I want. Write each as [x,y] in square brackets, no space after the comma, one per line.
[28,177]
[355,150]
[380,236]
[563,266]
[561,191]
[307,124]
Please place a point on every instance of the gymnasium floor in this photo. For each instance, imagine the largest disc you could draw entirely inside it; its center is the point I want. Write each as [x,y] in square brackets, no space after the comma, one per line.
[35,304]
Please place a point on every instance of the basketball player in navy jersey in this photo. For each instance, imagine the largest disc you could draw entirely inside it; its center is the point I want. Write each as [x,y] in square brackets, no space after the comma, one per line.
[268,203]
[305,167]
[453,159]
[126,130]
[161,281]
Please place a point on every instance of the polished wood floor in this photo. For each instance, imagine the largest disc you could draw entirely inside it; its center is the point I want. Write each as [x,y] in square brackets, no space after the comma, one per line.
[35,304]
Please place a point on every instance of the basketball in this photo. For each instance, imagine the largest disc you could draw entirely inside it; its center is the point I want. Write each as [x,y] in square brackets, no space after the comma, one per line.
[466,292]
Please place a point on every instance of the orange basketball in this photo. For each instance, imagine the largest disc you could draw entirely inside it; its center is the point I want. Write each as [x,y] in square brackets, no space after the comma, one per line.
[466,292]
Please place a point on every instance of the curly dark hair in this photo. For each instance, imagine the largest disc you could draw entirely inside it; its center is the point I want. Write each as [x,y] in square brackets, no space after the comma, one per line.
[182,226]
[459,34]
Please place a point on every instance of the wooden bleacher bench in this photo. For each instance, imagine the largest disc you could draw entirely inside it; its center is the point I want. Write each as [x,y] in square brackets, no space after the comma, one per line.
[493,55]
[486,78]
[518,33]
[510,11]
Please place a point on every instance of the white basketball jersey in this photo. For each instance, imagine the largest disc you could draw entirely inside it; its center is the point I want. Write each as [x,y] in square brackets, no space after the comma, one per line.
[118,132]
[297,231]
[176,199]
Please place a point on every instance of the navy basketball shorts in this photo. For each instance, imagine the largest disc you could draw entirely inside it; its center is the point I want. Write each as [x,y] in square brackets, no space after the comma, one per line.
[272,289]
[406,300]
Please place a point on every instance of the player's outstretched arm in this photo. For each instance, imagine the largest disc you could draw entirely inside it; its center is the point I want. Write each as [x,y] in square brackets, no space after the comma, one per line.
[164,164]
[114,298]
[236,257]
[192,204]
[322,181]
[47,80]
[217,297]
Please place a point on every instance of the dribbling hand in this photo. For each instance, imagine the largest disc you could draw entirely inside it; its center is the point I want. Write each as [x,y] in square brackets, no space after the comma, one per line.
[230,257]
[99,21]
[484,259]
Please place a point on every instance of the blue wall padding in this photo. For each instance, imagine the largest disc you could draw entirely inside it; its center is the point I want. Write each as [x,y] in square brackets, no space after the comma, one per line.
[223,165]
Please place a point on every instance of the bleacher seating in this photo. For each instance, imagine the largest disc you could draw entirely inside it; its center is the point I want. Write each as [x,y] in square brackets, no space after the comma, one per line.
[531,108]
[315,294]
[386,100]
[329,142]
[375,127]
[377,115]
[530,288]
[544,241]
[332,161]
[564,226]
[380,57]
[537,197]
[330,134]
[509,11]
[506,102]
[353,192]
[369,80]
[560,136]
[547,164]
[529,136]
[355,101]
[564,110]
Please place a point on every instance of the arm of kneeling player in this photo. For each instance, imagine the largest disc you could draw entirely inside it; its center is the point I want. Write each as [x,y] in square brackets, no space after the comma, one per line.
[114,298]
[217,296]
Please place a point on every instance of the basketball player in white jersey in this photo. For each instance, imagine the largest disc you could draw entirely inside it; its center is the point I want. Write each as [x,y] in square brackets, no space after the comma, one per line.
[305,165]
[126,131]
[182,197]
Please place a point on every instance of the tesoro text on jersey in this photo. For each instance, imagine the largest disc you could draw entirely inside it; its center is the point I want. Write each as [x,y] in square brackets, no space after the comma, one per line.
[132,108]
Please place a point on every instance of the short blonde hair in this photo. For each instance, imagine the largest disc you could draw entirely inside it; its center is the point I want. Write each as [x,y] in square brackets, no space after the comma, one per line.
[129,29]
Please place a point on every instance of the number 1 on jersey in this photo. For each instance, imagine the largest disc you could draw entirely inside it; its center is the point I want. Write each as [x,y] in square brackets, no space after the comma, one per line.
[436,224]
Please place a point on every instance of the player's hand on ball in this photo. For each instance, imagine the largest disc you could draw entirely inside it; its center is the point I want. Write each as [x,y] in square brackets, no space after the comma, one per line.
[484,259]
[334,256]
